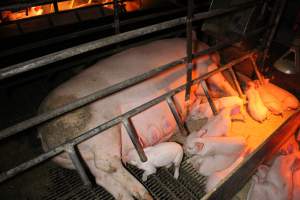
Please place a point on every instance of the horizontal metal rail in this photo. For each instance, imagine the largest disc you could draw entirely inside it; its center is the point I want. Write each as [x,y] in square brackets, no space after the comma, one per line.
[106,92]
[89,46]
[121,118]
[83,32]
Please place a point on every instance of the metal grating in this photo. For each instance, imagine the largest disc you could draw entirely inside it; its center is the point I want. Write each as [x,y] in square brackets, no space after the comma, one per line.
[66,184]
[162,185]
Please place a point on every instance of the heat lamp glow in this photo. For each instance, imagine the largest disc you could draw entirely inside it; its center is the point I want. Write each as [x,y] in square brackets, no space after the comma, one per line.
[62,6]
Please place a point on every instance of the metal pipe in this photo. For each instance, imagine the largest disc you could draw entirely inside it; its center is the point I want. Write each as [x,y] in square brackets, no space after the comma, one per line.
[116,17]
[105,92]
[134,138]
[210,101]
[189,48]
[177,117]
[86,31]
[259,76]
[99,129]
[89,46]
[56,10]
[236,83]
[69,148]
[273,30]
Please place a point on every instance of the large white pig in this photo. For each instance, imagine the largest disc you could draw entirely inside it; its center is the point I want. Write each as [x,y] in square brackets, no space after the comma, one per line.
[103,153]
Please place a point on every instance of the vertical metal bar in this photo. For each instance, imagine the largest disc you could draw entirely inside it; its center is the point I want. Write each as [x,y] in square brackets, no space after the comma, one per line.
[177,117]
[78,165]
[260,78]
[134,138]
[277,15]
[116,17]
[210,101]
[236,83]
[56,10]
[189,48]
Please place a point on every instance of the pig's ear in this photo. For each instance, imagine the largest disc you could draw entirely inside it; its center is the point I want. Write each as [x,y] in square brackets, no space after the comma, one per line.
[199,146]
[235,110]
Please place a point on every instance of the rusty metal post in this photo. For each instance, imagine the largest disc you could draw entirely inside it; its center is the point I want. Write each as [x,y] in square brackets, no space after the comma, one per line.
[189,48]
[116,17]
[236,83]
[259,76]
[134,138]
[178,119]
[210,101]
[78,165]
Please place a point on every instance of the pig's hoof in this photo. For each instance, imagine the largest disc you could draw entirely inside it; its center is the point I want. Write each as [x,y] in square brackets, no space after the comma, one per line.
[144,196]
[145,177]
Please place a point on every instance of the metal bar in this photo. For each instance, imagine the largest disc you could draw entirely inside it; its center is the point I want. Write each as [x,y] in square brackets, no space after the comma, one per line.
[210,101]
[78,165]
[21,5]
[116,17]
[260,78]
[189,48]
[26,165]
[80,33]
[56,10]
[89,58]
[273,30]
[177,117]
[103,93]
[240,176]
[236,83]
[134,138]
[97,130]
[89,46]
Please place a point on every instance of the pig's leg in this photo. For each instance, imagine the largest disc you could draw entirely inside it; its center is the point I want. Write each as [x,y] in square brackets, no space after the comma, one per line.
[109,183]
[177,162]
[107,158]
[149,169]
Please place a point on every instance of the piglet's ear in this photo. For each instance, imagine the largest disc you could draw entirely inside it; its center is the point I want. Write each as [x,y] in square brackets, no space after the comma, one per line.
[199,146]
[236,110]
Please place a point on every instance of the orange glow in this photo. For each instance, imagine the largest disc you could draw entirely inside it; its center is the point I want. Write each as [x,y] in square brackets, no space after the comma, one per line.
[65,5]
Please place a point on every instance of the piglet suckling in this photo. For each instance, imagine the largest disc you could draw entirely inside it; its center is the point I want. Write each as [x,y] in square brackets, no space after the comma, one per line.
[215,178]
[164,154]
[210,146]
[278,181]
[207,165]
[220,124]
[256,108]
[201,110]
[269,100]
[288,100]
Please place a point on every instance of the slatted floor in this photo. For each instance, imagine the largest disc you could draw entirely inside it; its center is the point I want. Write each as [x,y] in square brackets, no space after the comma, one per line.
[66,184]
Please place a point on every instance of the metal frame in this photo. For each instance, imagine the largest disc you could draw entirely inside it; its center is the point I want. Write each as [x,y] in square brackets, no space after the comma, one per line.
[124,118]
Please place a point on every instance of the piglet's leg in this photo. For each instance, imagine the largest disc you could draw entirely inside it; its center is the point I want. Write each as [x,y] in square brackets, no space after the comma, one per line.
[177,162]
[148,171]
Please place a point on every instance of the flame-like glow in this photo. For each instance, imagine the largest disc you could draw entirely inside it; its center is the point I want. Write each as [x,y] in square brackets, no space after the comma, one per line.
[65,5]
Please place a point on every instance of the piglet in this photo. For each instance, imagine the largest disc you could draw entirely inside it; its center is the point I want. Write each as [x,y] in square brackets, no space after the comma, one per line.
[296,185]
[288,100]
[201,110]
[269,100]
[159,155]
[220,124]
[256,108]
[214,179]
[207,165]
[210,146]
